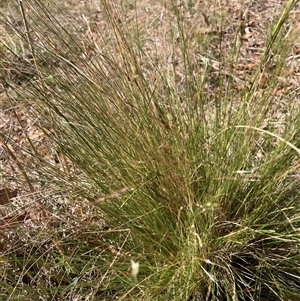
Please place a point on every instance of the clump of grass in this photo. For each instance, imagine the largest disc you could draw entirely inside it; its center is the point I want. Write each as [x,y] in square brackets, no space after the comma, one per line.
[201,191]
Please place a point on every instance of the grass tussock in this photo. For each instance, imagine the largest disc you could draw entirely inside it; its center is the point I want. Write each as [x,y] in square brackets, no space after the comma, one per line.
[181,178]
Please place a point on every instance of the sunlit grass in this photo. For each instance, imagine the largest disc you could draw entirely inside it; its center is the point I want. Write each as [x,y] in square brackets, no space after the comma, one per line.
[175,192]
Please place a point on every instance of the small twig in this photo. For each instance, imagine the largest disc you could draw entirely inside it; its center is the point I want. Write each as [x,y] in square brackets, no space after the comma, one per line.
[111,196]
[18,163]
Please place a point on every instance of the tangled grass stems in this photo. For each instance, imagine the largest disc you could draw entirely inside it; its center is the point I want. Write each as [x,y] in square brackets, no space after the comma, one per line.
[198,192]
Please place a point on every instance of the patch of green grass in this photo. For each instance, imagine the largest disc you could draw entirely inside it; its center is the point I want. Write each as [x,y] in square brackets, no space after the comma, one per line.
[199,187]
